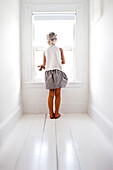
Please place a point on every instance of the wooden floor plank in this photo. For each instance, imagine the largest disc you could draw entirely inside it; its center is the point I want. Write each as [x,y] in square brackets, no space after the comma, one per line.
[47,158]
[67,156]
[13,146]
[28,158]
[93,148]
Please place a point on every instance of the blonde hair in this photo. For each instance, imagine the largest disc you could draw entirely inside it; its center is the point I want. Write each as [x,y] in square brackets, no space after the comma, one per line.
[50,36]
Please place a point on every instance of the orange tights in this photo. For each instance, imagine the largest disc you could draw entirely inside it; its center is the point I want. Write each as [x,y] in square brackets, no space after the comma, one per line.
[57,100]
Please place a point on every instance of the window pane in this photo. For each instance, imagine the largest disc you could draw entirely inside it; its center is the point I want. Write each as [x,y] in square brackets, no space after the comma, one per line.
[68,67]
[65,30]
[39,75]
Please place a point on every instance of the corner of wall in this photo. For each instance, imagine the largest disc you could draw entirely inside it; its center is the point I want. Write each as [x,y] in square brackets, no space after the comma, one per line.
[102,122]
[7,126]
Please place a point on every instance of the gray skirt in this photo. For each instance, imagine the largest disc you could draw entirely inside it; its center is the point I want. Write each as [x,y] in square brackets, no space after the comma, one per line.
[55,79]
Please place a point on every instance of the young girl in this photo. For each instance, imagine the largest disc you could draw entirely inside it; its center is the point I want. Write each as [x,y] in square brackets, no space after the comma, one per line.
[55,78]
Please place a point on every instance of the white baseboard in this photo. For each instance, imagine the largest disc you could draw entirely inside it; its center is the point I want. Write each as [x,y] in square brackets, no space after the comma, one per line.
[102,122]
[65,108]
[7,126]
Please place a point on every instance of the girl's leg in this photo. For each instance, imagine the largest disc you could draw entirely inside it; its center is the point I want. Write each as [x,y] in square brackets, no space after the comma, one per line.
[57,101]
[50,102]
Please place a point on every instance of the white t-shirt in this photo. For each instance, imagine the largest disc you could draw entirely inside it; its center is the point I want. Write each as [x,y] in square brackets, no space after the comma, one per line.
[53,58]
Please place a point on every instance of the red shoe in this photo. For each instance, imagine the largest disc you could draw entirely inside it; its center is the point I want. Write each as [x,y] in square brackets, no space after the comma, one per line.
[51,116]
[57,115]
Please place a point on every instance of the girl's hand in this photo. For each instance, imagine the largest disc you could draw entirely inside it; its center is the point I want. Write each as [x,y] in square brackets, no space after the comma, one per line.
[41,67]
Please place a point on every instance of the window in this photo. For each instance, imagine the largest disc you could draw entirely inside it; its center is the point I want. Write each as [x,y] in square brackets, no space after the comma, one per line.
[66,12]
[63,24]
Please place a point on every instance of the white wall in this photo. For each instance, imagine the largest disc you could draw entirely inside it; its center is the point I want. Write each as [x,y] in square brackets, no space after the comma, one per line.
[10,70]
[74,100]
[101,68]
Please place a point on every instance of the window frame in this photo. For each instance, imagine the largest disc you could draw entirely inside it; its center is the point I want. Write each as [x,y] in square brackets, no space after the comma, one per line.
[27,50]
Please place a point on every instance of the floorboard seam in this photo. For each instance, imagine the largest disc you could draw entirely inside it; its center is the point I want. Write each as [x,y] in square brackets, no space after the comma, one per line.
[43,131]
[75,149]
[57,163]
[24,143]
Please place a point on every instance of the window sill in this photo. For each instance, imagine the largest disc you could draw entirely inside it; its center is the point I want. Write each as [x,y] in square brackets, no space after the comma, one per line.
[42,85]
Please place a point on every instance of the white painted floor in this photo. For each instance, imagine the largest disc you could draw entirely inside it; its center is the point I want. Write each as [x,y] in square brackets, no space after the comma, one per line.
[72,142]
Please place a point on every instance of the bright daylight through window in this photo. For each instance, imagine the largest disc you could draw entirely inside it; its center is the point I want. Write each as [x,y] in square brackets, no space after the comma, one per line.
[63,24]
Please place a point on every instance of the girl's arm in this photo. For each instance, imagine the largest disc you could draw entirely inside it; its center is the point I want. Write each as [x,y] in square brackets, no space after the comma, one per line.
[44,62]
[62,56]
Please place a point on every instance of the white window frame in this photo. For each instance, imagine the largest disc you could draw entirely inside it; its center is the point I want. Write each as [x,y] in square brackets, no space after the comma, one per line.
[79,9]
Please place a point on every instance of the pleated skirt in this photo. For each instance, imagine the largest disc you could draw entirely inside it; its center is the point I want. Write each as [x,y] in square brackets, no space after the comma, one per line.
[55,79]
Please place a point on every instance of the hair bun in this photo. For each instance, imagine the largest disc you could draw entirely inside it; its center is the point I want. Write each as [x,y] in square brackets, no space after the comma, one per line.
[51,35]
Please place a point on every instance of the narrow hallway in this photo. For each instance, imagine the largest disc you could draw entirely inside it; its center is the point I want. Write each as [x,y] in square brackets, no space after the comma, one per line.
[82,138]
[72,142]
